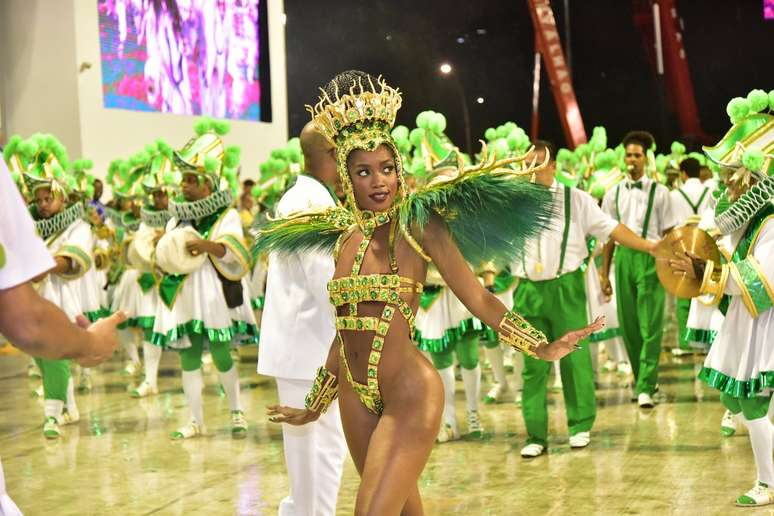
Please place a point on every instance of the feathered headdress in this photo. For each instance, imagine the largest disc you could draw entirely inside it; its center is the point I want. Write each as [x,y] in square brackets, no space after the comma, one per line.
[207,156]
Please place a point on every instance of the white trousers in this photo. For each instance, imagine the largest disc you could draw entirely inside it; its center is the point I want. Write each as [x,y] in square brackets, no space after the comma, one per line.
[314,455]
[7,507]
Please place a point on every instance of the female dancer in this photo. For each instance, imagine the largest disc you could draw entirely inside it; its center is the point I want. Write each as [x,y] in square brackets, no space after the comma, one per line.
[392,400]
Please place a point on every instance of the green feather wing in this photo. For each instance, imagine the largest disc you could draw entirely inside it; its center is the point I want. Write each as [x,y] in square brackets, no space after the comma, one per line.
[302,231]
[490,210]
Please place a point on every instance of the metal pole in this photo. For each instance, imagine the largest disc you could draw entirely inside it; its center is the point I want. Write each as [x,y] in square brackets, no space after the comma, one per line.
[535,126]
[567,45]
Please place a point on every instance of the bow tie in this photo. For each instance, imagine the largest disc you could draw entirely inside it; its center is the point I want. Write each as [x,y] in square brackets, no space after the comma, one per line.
[637,184]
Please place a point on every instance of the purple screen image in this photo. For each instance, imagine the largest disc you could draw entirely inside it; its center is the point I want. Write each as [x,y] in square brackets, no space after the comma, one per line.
[187,57]
[768,9]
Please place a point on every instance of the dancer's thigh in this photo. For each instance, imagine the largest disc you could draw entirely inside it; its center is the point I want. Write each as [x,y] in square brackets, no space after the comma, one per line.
[358,424]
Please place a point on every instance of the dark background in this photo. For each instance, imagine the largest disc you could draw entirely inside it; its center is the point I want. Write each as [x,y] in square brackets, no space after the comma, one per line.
[730,50]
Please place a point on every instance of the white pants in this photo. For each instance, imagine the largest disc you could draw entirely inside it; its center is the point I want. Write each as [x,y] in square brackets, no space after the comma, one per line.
[7,507]
[314,455]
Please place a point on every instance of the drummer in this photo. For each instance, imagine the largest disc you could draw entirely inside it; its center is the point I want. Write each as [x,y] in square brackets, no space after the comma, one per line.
[202,302]
[551,295]
[644,206]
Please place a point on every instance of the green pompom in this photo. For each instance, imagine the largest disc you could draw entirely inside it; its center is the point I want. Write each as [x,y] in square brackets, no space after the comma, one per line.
[416,135]
[583,150]
[737,109]
[771,100]
[677,148]
[759,100]
[490,134]
[597,191]
[753,160]
[28,149]
[400,132]
[439,123]
[502,131]
[563,155]
[221,127]
[501,148]
[169,177]
[89,190]
[230,174]
[10,149]
[203,125]
[423,119]
[211,165]
[231,156]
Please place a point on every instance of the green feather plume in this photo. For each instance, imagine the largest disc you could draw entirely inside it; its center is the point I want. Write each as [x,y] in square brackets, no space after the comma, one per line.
[305,231]
[491,215]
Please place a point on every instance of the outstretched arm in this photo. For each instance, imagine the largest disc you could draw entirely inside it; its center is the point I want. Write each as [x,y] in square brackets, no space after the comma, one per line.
[483,304]
[324,391]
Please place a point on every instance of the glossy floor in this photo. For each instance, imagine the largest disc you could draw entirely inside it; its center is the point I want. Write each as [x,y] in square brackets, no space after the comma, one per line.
[118,460]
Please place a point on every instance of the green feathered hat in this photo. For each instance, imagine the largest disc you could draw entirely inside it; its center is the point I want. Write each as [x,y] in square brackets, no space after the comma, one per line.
[278,172]
[206,156]
[747,152]
[433,151]
[46,165]
[122,176]
[17,163]
[160,171]
[84,179]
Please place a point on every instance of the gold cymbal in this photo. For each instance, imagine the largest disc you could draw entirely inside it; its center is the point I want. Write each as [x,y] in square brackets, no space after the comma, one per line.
[684,239]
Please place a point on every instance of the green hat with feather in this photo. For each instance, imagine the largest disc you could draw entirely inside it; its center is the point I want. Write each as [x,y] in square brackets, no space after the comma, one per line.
[160,173]
[746,152]
[206,156]
[46,165]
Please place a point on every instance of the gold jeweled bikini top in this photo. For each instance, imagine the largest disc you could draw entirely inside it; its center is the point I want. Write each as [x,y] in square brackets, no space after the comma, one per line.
[386,288]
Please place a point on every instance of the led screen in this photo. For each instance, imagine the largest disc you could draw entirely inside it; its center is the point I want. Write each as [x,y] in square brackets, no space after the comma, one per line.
[187,57]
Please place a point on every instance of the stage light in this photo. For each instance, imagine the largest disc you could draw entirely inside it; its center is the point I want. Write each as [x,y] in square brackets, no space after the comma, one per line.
[480,100]
[445,68]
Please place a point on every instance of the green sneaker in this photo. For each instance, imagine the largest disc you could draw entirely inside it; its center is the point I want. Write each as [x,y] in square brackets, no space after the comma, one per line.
[728,424]
[187,432]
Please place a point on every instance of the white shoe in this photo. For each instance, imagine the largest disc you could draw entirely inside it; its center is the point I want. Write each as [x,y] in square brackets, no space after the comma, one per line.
[188,431]
[609,366]
[51,428]
[499,393]
[624,368]
[517,398]
[475,429]
[238,424]
[645,401]
[533,450]
[580,440]
[680,352]
[728,424]
[130,369]
[70,417]
[143,390]
[447,433]
[759,495]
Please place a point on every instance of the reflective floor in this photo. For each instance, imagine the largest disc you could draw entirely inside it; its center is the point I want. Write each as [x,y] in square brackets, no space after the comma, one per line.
[118,459]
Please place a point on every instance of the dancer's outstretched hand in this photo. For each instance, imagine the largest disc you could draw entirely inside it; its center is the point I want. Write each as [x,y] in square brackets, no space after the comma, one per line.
[290,415]
[565,345]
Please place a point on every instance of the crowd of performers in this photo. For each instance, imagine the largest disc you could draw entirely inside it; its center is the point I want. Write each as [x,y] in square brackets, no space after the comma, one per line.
[559,239]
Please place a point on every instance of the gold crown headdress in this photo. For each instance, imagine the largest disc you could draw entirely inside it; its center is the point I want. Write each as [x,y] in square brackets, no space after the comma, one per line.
[359,120]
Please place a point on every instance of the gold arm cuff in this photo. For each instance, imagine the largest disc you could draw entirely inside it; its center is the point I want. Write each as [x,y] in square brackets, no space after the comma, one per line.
[324,390]
[516,332]
[714,281]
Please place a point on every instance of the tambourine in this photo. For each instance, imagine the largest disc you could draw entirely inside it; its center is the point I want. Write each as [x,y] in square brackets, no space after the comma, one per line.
[171,253]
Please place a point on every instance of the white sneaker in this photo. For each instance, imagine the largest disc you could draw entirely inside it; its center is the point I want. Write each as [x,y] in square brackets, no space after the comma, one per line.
[728,424]
[624,368]
[51,428]
[499,393]
[130,369]
[680,352]
[580,440]
[447,433]
[475,429]
[517,398]
[608,367]
[645,401]
[533,450]
[759,495]
[70,417]
[143,390]
[188,431]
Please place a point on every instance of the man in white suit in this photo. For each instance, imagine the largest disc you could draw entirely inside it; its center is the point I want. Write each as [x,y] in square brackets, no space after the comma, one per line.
[296,334]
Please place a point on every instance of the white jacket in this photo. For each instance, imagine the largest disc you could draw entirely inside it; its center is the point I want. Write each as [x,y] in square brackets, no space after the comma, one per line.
[298,322]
